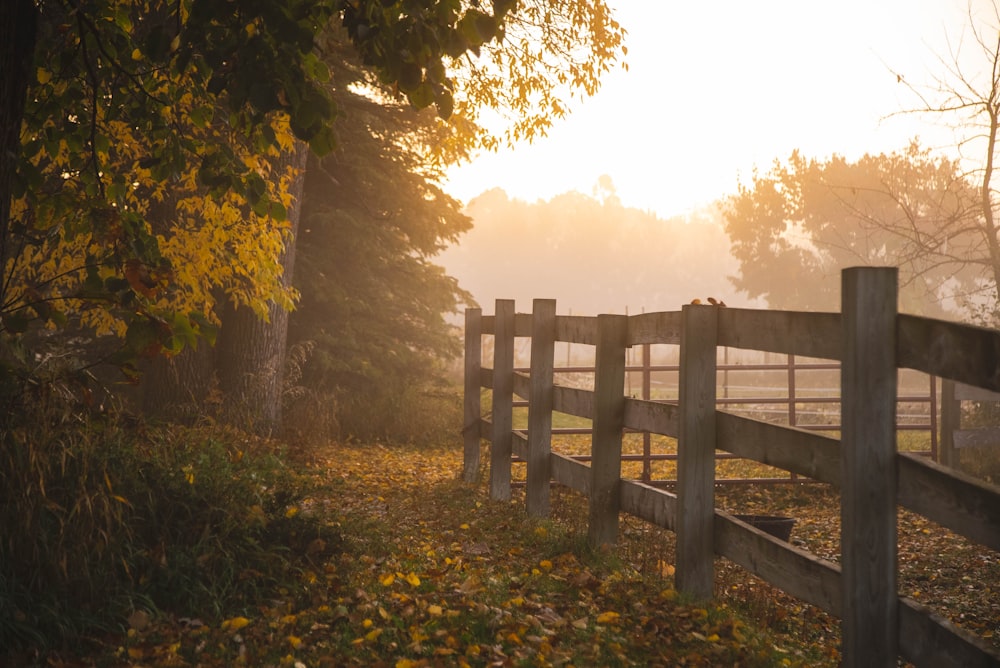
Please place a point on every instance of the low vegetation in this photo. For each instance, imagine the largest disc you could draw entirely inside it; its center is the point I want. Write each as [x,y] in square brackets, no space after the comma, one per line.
[169,546]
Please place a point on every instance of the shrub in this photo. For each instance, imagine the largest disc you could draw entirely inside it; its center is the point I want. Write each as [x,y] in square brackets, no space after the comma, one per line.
[99,518]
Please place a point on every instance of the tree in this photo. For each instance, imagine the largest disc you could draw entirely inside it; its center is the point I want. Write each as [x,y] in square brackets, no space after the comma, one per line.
[372,301]
[794,228]
[193,104]
[967,96]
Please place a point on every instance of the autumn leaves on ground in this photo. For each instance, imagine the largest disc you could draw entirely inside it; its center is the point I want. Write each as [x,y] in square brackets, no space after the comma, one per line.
[391,560]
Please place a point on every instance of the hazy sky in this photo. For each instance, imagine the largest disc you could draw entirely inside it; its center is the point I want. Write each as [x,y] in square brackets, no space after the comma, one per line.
[715,88]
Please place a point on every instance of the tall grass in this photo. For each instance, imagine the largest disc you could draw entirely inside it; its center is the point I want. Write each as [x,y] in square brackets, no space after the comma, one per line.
[98,519]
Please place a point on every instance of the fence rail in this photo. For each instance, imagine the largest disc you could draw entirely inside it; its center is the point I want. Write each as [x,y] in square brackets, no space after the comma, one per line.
[791,401]
[871,342]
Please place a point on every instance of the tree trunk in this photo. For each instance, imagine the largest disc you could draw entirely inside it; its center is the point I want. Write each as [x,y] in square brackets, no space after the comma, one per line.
[18,30]
[250,353]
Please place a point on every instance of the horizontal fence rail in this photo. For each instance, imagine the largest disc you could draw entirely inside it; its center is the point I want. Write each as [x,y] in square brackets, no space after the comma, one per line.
[869,340]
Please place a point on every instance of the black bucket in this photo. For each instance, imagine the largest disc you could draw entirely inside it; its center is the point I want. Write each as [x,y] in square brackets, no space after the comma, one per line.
[779,527]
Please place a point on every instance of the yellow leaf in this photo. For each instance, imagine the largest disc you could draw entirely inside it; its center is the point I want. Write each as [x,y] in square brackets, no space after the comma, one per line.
[413,579]
[713,638]
[546,564]
[294,641]
[44,76]
[608,618]
[292,512]
[373,635]
[367,623]
[463,526]
[405,663]
[387,579]
[135,653]
[435,610]
[235,624]
[136,54]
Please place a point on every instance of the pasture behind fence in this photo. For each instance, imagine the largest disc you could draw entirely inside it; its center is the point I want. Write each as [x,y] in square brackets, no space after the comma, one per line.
[871,342]
[752,388]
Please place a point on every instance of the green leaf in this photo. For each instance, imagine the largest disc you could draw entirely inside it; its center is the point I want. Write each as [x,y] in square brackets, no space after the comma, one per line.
[410,77]
[15,322]
[323,142]
[422,96]
[445,104]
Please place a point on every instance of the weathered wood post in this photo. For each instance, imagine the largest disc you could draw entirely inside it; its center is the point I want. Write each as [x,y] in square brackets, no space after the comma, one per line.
[951,411]
[696,451]
[543,350]
[473,384]
[868,467]
[503,400]
[606,438]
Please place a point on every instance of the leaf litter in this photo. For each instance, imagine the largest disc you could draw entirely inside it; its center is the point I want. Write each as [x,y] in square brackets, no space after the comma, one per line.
[431,572]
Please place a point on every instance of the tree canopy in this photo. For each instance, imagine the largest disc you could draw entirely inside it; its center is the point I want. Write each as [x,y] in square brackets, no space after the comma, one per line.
[794,228]
[373,303]
[150,129]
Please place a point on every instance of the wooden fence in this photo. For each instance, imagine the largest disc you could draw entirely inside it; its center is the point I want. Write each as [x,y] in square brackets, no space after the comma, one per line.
[786,406]
[871,341]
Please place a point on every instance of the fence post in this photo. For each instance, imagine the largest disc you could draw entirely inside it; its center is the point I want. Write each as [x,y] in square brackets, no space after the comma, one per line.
[543,348]
[473,386]
[868,467]
[503,400]
[647,464]
[696,451]
[608,422]
[951,412]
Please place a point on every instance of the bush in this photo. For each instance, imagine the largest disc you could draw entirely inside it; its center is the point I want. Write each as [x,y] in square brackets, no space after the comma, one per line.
[99,518]
[428,413]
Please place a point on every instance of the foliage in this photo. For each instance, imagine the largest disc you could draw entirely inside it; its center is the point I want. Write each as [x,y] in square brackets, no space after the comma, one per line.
[156,103]
[546,51]
[100,519]
[794,228]
[433,573]
[373,303]
[967,96]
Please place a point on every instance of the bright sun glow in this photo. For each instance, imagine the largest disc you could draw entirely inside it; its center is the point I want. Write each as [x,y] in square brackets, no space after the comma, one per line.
[716,89]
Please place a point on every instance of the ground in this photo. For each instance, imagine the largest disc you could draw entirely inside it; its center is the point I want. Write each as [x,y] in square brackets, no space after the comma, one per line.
[416,568]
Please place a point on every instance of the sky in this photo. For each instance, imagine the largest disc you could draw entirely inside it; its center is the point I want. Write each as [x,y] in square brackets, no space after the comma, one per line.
[715,89]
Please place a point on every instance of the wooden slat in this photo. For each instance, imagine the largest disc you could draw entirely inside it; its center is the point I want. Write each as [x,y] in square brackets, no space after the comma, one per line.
[486,377]
[573,401]
[522,324]
[796,571]
[797,450]
[928,639]
[656,506]
[543,332]
[868,378]
[965,392]
[957,501]
[519,444]
[486,429]
[963,353]
[663,327]
[488,324]
[606,436]
[472,408]
[576,329]
[503,396]
[977,438]
[569,472]
[696,451]
[798,333]
[652,416]
[522,384]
